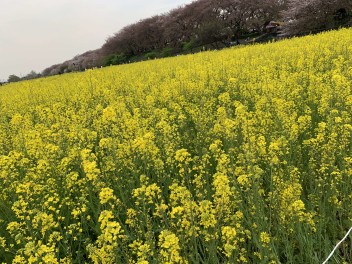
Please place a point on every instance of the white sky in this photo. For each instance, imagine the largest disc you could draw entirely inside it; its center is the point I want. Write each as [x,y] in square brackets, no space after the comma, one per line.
[35,34]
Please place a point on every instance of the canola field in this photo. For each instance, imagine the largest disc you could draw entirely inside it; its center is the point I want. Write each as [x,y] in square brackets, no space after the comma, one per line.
[234,156]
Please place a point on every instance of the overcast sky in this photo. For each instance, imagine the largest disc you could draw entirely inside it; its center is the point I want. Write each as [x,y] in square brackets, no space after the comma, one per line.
[35,34]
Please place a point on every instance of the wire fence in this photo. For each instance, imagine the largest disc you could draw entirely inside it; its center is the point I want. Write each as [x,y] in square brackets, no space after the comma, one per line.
[337,245]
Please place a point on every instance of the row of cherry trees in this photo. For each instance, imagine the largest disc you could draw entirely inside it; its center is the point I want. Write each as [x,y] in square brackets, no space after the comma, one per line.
[198,23]
[209,22]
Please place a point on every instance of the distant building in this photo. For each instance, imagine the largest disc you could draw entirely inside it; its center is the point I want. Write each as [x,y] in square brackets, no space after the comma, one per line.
[273,27]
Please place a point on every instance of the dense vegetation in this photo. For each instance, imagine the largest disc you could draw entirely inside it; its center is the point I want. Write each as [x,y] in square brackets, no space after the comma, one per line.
[211,24]
[234,156]
[208,25]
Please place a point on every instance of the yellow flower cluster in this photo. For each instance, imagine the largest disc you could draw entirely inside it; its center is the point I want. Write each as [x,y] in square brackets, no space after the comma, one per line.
[105,249]
[169,244]
[234,156]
